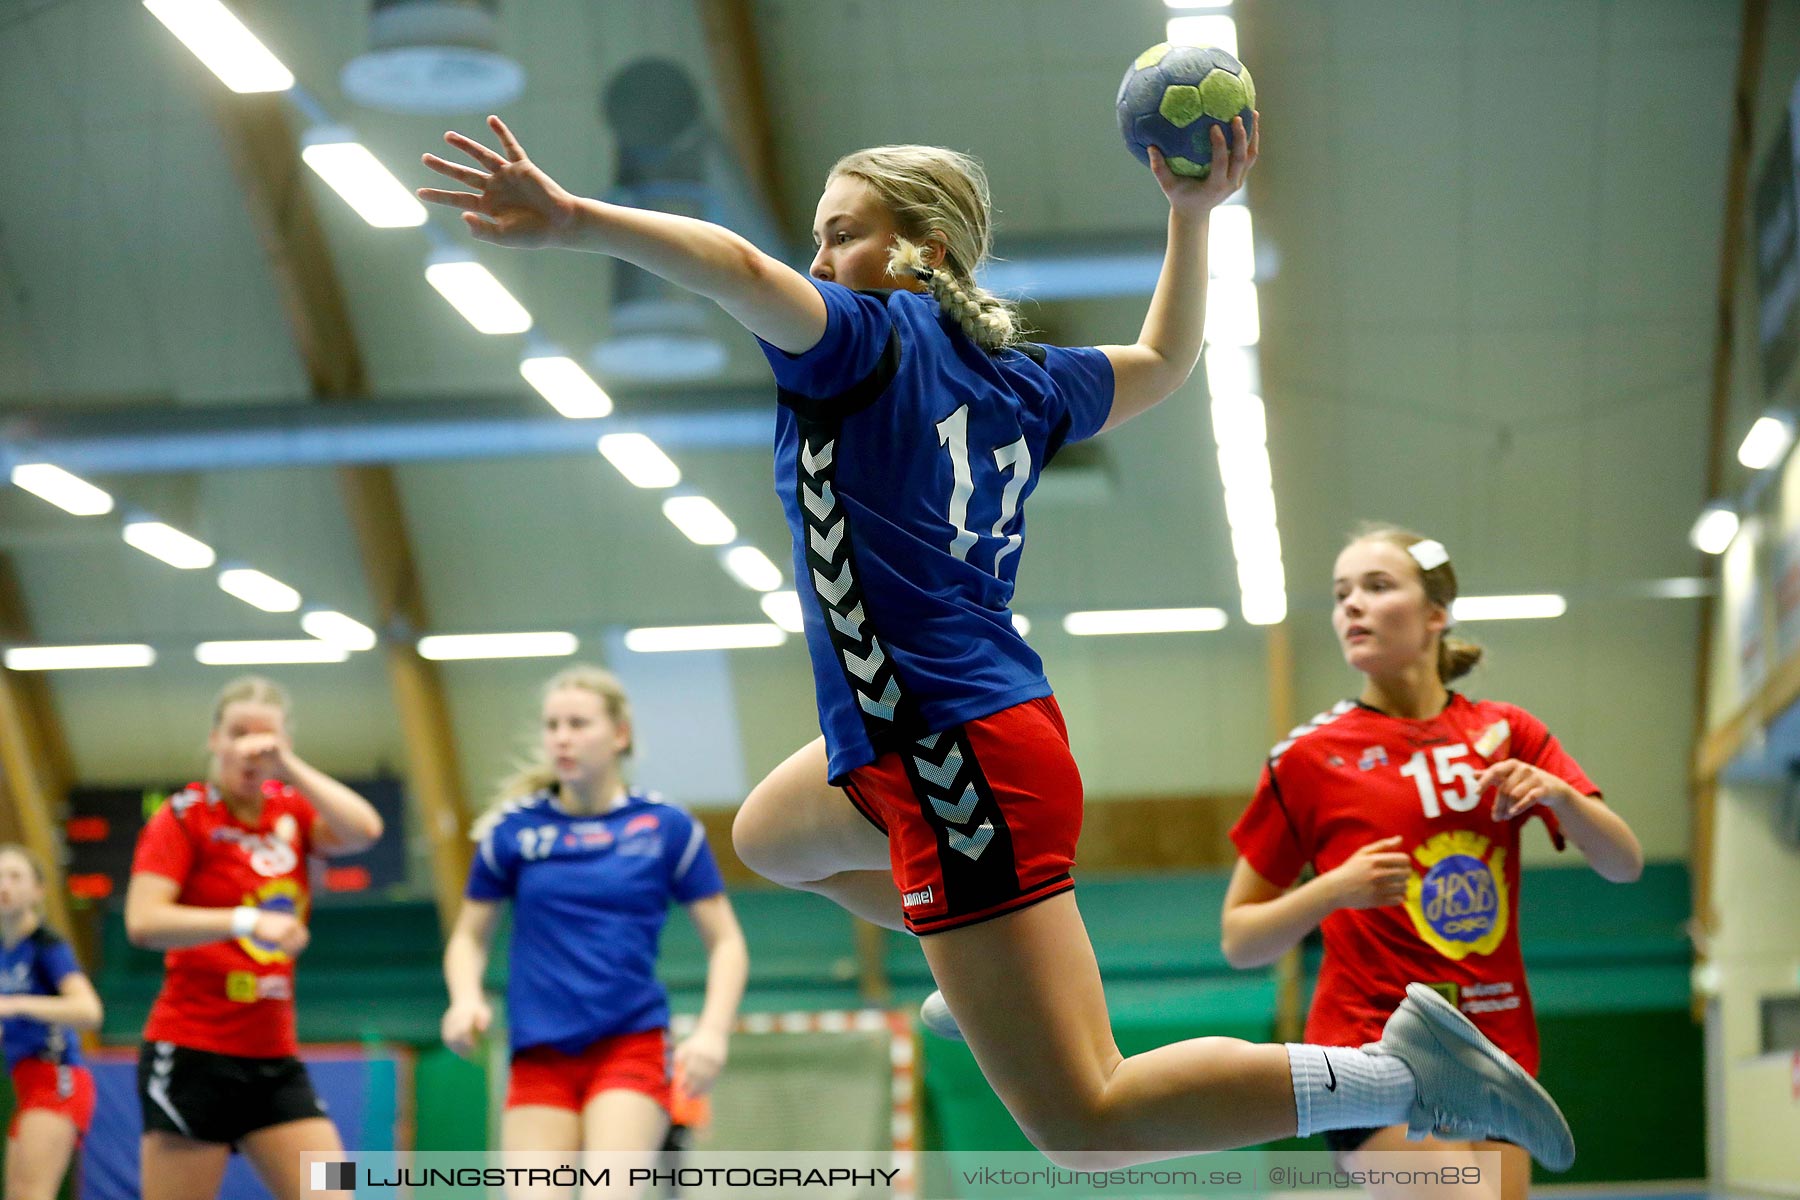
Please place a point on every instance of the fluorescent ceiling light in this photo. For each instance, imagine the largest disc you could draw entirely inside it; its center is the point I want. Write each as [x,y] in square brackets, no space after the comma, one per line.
[1250,508]
[68,492]
[1678,588]
[360,180]
[170,545]
[783,608]
[259,590]
[1144,620]
[1210,29]
[668,638]
[1245,468]
[1508,608]
[1766,442]
[700,519]
[1230,246]
[78,658]
[1264,605]
[1231,371]
[257,653]
[447,646]
[1179,5]
[478,296]
[329,625]
[1022,624]
[1713,532]
[1257,548]
[1239,423]
[1231,314]
[640,460]
[219,40]
[570,390]
[752,568]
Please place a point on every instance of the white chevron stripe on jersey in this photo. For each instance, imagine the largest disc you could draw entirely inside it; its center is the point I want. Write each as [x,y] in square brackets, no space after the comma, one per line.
[866,667]
[1318,722]
[960,812]
[820,503]
[943,774]
[973,844]
[930,741]
[816,463]
[834,590]
[826,545]
[884,707]
[849,624]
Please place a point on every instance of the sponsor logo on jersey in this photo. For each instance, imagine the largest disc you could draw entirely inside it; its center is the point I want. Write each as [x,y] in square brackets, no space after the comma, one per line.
[1493,740]
[16,979]
[1459,905]
[1334,760]
[1374,756]
[588,835]
[915,899]
[247,987]
[268,854]
[287,829]
[642,823]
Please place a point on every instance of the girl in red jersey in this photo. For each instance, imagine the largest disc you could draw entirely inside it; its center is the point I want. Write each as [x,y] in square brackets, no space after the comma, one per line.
[911,425]
[44,999]
[220,882]
[1408,802]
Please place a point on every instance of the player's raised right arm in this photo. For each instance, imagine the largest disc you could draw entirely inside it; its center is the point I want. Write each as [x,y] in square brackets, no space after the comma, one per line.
[515,203]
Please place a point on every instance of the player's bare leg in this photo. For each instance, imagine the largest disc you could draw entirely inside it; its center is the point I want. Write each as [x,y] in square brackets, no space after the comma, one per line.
[797,830]
[1026,990]
[274,1151]
[1514,1182]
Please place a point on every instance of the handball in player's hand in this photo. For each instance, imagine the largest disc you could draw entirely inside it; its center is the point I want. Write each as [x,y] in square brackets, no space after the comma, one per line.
[1173,97]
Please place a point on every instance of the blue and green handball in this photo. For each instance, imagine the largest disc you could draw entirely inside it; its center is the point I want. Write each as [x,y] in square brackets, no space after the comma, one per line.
[1173,96]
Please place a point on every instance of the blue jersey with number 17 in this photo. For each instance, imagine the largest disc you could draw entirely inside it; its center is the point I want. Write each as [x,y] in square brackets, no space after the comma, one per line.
[903,457]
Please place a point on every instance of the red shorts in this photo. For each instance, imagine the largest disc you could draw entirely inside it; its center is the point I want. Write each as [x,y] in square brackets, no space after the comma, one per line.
[633,1062]
[981,819]
[66,1091]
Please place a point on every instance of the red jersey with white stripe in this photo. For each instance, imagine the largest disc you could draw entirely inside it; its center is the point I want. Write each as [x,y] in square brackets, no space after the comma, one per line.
[234,996]
[1354,775]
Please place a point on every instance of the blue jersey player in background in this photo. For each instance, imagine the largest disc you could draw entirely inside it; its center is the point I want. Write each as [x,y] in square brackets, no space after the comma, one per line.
[943,798]
[590,868]
[44,1000]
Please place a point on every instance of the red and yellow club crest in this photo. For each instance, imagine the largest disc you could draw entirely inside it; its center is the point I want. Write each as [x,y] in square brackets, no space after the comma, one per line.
[277,895]
[1459,905]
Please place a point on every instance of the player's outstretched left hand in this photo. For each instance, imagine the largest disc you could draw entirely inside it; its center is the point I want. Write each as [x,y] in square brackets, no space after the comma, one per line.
[514,202]
[1197,197]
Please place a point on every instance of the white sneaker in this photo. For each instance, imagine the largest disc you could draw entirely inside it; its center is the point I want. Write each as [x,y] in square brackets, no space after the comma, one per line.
[1467,1086]
[934,1015]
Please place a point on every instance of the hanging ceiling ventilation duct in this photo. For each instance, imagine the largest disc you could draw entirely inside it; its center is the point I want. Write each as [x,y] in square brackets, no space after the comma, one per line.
[671,160]
[433,56]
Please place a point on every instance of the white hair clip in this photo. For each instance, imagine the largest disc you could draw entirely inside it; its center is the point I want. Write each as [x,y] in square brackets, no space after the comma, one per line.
[1429,554]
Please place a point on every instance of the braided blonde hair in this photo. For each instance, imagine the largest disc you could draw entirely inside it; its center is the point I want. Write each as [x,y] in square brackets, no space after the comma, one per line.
[942,195]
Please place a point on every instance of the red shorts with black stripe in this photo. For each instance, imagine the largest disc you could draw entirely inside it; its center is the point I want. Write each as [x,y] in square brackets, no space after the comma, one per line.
[633,1062]
[981,819]
[65,1091]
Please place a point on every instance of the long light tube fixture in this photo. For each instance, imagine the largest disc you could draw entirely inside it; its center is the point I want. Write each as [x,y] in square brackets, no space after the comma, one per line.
[221,41]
